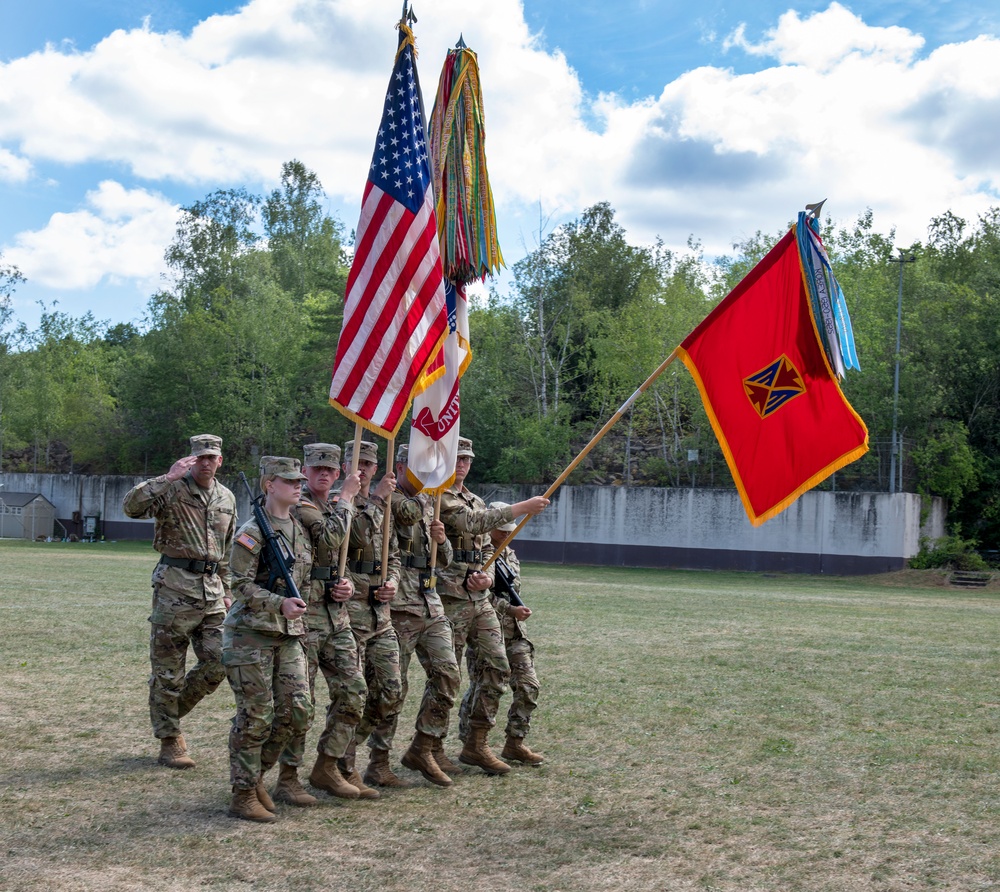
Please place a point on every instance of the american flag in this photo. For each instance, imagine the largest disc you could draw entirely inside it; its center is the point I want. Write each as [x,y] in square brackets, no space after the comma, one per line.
[394,311]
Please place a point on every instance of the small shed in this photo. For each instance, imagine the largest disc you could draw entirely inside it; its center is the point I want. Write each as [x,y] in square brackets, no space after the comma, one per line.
[26,515]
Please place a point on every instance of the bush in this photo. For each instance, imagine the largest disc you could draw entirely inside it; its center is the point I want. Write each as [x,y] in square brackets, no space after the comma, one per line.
[952,552]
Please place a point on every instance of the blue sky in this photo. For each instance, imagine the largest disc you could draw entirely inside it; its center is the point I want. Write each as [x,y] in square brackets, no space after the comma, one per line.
[713,120]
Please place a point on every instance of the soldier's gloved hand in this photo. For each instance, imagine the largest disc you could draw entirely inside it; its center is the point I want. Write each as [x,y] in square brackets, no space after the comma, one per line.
[386,592]
[293,608]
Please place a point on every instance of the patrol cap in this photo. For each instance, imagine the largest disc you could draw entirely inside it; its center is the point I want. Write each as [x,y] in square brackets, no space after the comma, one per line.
[325,455]
[280,466]
[403,454]
[206,444]
[465,447]
[369,451]
[506,527]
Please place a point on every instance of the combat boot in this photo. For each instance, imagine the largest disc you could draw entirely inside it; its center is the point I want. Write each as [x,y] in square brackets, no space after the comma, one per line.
[379,774]
[288,788]
[419,757]
[350,773]
[245,805]
[477,752]
[173,753]
[441,757]
[326,776]
[516,750]
[263,797]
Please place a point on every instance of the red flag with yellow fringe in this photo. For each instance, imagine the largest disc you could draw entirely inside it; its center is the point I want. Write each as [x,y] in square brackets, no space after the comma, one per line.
[772,398]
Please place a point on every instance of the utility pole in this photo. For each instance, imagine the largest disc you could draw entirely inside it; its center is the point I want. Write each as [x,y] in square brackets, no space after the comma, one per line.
[895,386]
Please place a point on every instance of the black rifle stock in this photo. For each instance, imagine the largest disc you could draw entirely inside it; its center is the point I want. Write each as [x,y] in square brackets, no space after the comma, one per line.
[504,582]
[275,556]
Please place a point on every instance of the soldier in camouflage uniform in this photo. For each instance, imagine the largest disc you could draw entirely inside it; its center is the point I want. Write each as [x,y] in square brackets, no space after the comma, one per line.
[520,654]
[465,594]
[330,646]
[370,618]
[195,522]
[263,647]
[421,626]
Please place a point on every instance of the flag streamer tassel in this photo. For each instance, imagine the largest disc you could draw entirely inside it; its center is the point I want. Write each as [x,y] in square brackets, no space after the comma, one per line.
[610,423]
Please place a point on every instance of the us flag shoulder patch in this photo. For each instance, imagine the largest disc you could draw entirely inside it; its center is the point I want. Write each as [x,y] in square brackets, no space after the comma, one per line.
[247,541]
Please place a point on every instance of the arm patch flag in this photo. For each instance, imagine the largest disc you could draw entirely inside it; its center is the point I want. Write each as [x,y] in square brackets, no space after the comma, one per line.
[768,387]
[394,309]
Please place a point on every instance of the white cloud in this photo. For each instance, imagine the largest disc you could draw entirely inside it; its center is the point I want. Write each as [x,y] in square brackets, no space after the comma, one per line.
[12,168]
[120,234]
[837,109]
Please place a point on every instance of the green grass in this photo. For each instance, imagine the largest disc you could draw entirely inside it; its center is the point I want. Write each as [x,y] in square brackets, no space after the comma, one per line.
[704,731]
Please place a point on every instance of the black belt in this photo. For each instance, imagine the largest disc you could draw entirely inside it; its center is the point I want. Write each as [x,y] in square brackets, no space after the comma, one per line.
[415,561]
[369,567]
[324,573]
[473,556]
[209,568]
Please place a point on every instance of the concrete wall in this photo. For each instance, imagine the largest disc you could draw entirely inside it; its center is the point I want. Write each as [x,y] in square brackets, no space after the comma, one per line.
[823,532]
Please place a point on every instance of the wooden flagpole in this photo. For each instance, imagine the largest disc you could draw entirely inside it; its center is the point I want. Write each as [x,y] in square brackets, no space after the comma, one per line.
[355,459]
[387,515]
[610,423]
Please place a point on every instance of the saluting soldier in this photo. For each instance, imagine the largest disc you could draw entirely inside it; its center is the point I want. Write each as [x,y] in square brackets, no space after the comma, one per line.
[330,645]
[378,646]
[263,646]
[195,523]
[524,683]
[465,594]
[422,627]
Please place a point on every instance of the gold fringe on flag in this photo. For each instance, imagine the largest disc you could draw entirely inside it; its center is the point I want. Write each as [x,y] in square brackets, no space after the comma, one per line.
[466,217]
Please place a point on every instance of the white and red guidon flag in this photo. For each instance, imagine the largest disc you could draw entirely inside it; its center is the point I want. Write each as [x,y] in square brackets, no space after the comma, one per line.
[394,310]
[434,428]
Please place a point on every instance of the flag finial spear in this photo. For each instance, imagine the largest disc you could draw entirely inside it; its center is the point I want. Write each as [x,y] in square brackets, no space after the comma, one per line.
[461,45]
[407,16]
[815,209]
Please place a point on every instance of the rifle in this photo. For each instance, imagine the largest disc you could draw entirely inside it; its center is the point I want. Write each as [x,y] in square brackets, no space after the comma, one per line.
[279,561]
[504,582]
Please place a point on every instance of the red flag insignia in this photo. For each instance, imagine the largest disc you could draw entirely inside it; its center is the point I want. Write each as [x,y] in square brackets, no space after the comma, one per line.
[773,386]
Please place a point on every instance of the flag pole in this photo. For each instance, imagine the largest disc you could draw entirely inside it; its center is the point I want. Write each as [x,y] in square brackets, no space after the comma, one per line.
[355,461]
[610,423]
[434,545]
[387,516]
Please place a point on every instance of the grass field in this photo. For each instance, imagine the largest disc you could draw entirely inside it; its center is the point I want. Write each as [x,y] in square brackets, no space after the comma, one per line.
[702,731]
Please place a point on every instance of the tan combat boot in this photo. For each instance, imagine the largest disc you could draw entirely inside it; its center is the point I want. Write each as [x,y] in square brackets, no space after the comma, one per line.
[326,776]
[288,788]
[173,753]
[380,774]
[263,797]
[246,806]
[477,752]
[350,773]
[420,757]
[441,757]
[515,749]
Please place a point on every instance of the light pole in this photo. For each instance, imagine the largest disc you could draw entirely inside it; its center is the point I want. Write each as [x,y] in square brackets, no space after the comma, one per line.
[895,385]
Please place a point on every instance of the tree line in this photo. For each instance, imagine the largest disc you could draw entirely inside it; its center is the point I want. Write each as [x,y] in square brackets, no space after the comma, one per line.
[241,338]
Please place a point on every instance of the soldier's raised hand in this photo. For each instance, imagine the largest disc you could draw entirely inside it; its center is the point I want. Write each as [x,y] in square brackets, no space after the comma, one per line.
[351,487]
[386,486]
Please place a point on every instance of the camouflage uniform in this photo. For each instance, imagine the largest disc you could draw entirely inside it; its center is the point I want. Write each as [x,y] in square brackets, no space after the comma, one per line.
[378,646]
[330,645]
[194,534]
[520,654]
[419,619]
[264,653]
[467,523]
